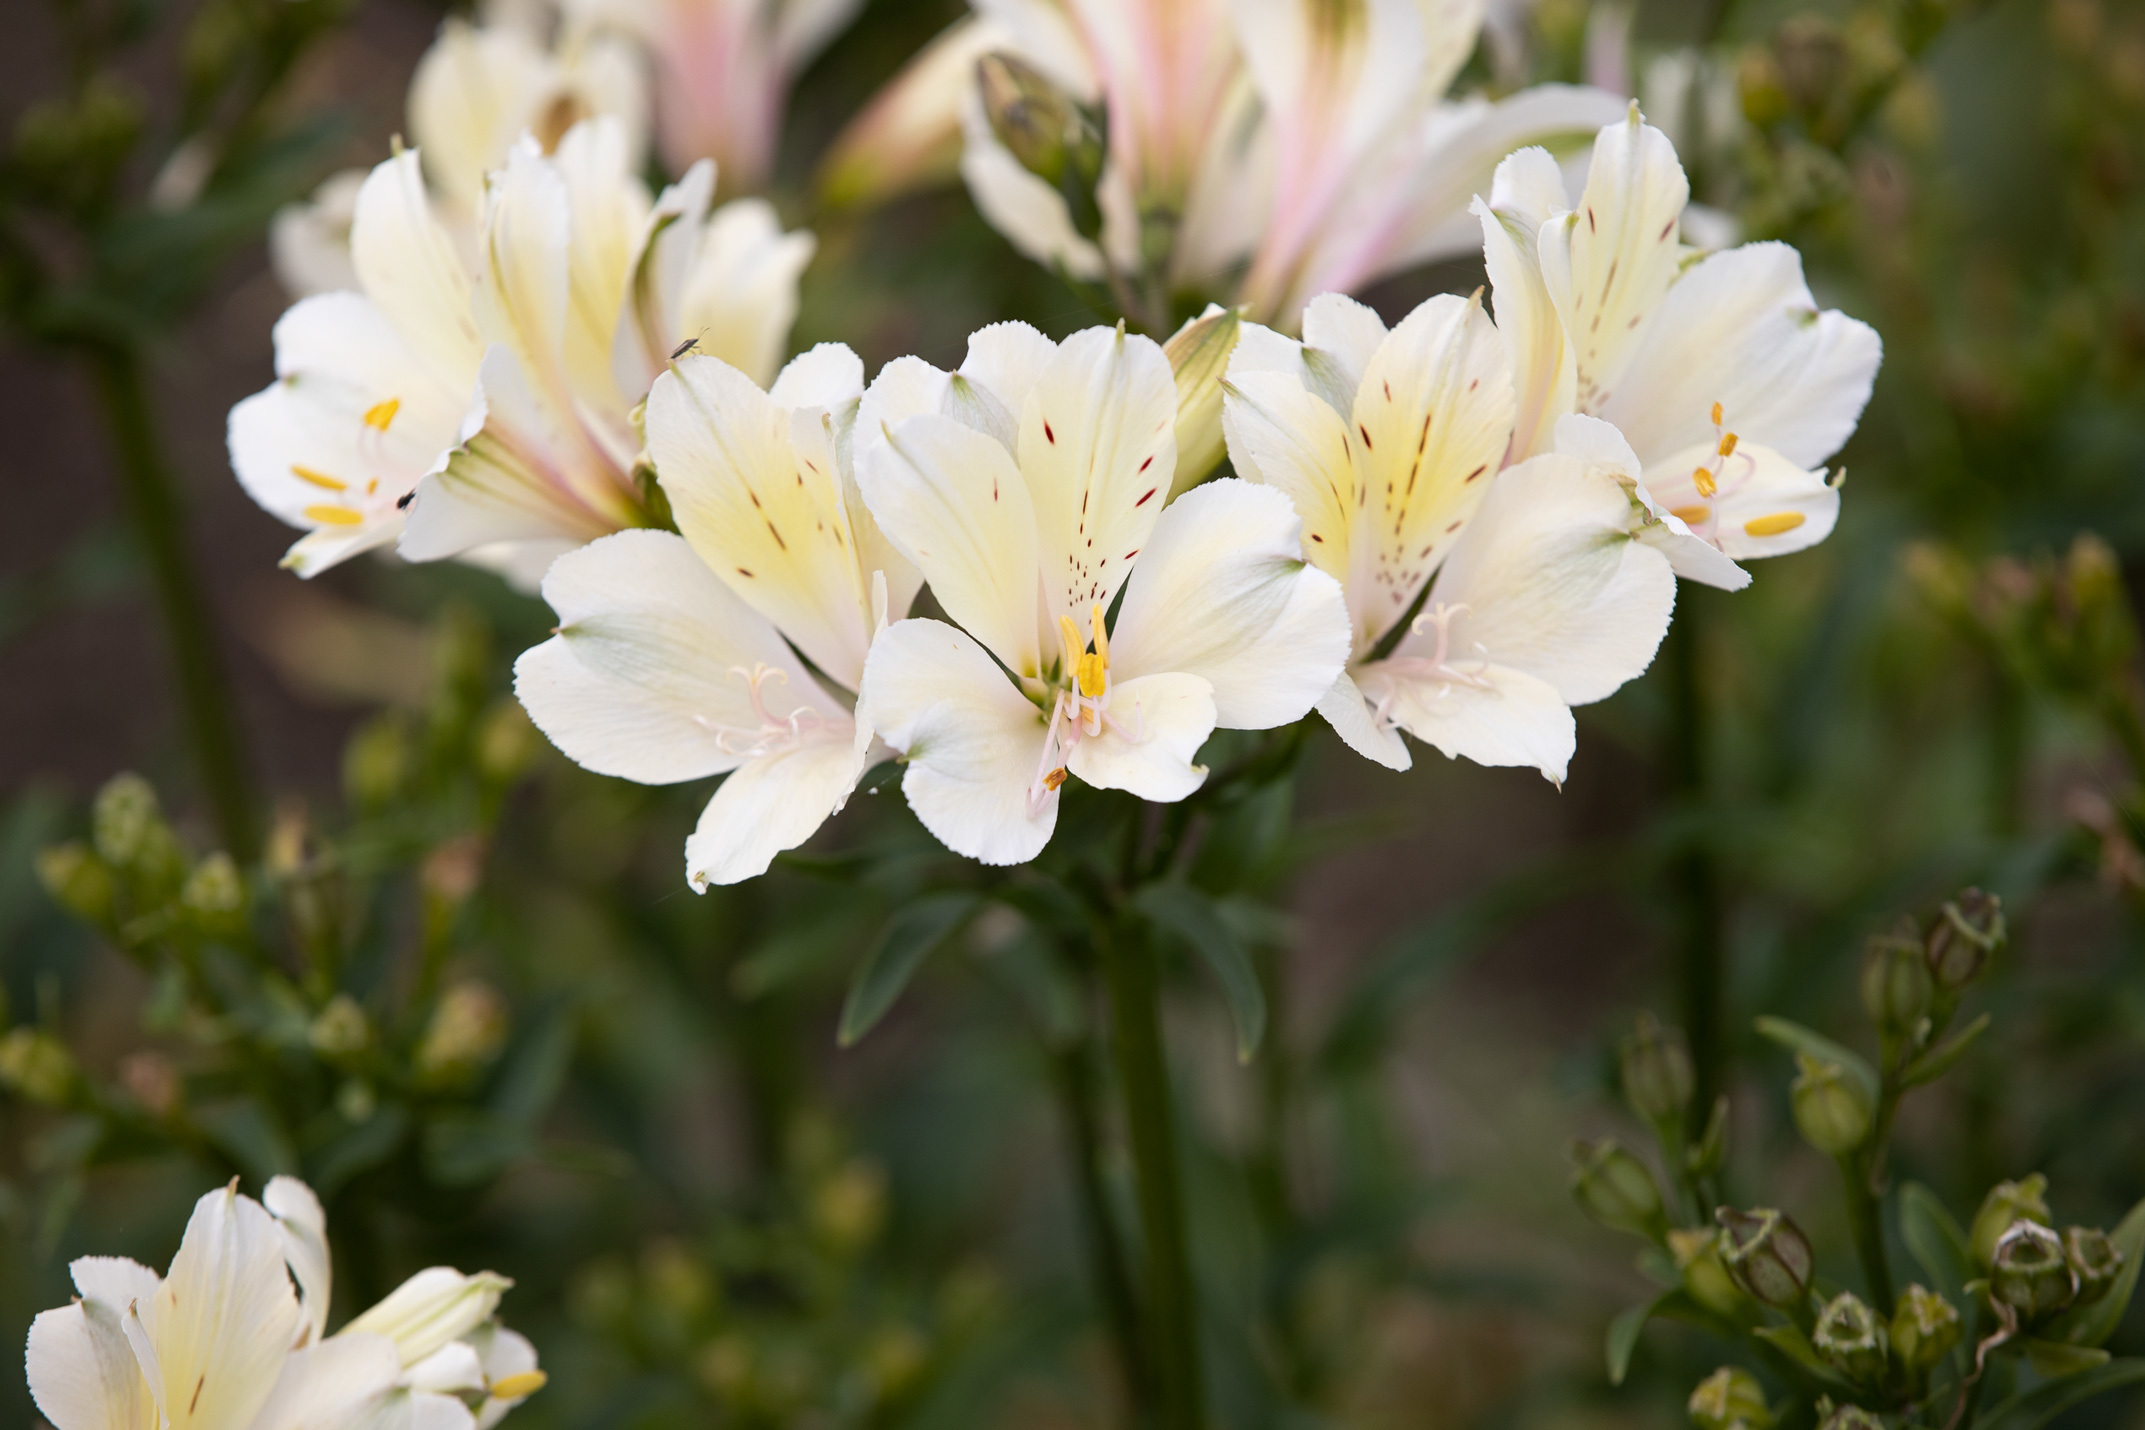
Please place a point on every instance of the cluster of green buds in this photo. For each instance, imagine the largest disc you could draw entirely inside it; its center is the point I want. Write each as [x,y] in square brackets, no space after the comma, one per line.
[2032,1273]
[2061,624]
[1766,1255]
[131,880]
[1730,1399]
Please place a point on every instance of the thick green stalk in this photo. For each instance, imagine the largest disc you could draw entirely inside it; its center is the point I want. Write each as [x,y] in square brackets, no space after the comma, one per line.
[1171,1308]
[1868,1226]
[153,503]
[1700,955]
[1106,1249]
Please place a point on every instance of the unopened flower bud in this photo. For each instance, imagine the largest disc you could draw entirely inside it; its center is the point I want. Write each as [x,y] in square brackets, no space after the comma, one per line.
[1043,126]
[126,819]
[215,895]
[2030,1273]
[1616,1189]
[1832,1108]
[2007,1202]
[1968,933]
[432,1309]
[78,881]
[1656,1068]
[468,1029]
[2095,1259]
[1729,1397]
[1925,1327]
[1766,1253]
[340,1029]
[1896,985]
[1705,1277]
[1851,1417]
[36,1066]
[1852,1337]
[1199,356]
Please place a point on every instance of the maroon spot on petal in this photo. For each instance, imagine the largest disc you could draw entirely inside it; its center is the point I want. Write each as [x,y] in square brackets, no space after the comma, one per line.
[1132,553]
[1590,219]
[1143,500]
[1148,463]
[1475,473]
[1317,538]
[1366,435]
[1048,435]
[1448,531]
[743,572]
[1666,229]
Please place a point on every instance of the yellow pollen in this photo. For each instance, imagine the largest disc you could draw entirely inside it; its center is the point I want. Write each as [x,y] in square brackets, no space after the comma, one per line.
[334,516]
[1727,445]
[1088,671]
[1055,778]
[514,1387]
[1702,478]
[318,479]
[1691,515]
[1775,524]
[380,414]
[1716,414]
[1102,637]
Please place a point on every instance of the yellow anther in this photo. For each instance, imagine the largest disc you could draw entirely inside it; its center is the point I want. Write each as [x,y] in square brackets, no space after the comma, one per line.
[514,1387]
[380,414]
[1055,778]
[1775,523]
[1069,640]
[1727,445]
[334,516]
[1691,515]
[1716,414]
[318,479]
[1702,478]
[1102,637]
[1088,671]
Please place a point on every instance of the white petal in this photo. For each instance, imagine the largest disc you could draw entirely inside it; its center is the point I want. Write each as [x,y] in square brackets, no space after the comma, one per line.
[82,1373]
[323,1385]
[650,676]
[739,291]
[1098,446]
[770,804]
[953,502]
[1350,332]
[309,241]
[504,1354]
[305,1246]
[1281,435]
[1008,359]
[411,1410]
[829,376]
[971,739]
[424,1313]
[471,95]
[409,268]
[1741,329]
[1156,724]
[1433,415]
[452,1367]
[1222,592]
[764,511]
[1603,449]
[114,1280]
[1765,505]
[1518,720]
[1609,263]
[1553,583]
[1544,367]
[225,1318]
[609,207]
[1360,728]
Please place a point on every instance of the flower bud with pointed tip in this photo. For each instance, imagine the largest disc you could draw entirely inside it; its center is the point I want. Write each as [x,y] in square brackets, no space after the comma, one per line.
[1832,1108]
[1697,1253]
[1965,936]
[1656,1069]
[2006,1203]
[1925,1327]
[2095,1259]
[1852,1337]
[431,1309]
[1199,356]
[1616,1189]
[1043,127]
[1766,1253]
[1896,985]
[1729,1397]
[2030,1273]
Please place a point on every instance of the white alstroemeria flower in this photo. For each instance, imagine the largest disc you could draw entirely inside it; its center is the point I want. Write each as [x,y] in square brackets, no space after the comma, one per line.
[475,92]
[1539,598]
[722,71]
[1725,380]
[1030,489]
[1306,144]
[677,657]
[584,289]
[225,1343]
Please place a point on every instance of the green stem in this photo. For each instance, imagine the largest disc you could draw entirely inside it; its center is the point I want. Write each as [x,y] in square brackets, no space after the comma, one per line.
[1106,1249]
[1868,1226]
[1697,879]
[153,502]
[1130,970]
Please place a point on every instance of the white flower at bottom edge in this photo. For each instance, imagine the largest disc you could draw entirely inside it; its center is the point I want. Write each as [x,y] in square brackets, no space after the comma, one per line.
[224,1343]
[1026,546]
[1539,596]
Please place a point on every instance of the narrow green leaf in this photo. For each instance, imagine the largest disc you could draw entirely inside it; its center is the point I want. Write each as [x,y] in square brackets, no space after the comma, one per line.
[2044,1403]
[1935,1241]
[910,937]
[2055,1360]
[1624,1335]
[1190,915]
[1796,1038]
[1938,1060]
[2092,1325]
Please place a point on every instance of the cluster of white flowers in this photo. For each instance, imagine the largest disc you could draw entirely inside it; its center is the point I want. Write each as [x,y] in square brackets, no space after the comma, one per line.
[235,1336]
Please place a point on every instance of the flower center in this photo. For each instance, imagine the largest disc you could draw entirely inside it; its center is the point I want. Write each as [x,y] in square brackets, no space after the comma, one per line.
[354,503]
[1710,478]
[1079,706]
[774,731]
[1436,668]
